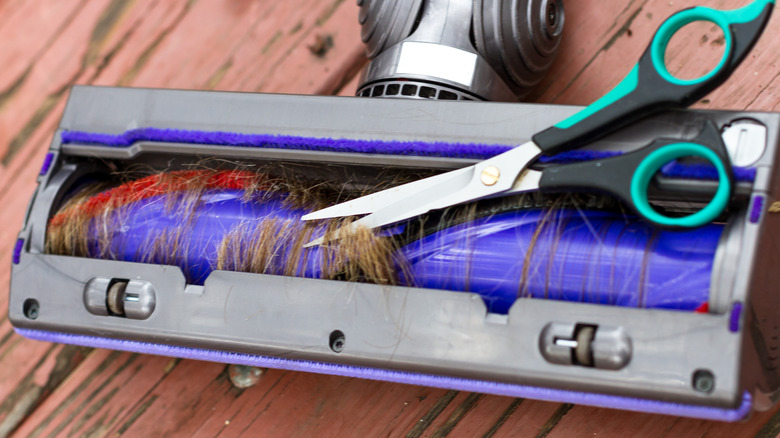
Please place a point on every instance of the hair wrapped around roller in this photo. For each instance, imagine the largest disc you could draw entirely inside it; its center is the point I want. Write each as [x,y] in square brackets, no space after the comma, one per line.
[561,248]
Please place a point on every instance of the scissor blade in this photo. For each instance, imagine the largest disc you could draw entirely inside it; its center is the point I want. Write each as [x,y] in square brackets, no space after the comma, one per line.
[375,201]
[510,164]
[453,188]
[447,196]
[457,179]
[528,181]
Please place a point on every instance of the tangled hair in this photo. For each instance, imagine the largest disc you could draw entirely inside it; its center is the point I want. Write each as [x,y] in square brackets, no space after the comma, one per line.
[248,221]
[86,225]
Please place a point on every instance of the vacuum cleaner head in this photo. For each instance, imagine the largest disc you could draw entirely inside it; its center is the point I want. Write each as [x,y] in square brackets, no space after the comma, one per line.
[168,222]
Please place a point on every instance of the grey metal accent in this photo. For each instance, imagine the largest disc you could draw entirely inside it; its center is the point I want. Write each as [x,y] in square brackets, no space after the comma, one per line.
[133,299]
[95,295]
[611,348]
[402,328]
[745,141]
[384,23]
[518,38]
[139,299]
[439,61]
[550,345]
[573,343]
[726,257]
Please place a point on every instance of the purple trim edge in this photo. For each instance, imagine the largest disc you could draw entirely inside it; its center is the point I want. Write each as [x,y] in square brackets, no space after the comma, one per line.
[46,163]
[756,209]
[17,255]
[413,148]
[461,384]
[734,318]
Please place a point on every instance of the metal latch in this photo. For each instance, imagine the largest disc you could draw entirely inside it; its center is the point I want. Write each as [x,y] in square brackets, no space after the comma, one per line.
[745,141]
[119,297]
[588,345]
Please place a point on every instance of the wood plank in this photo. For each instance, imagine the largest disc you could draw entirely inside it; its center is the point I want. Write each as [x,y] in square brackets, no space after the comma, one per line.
[32,30]
[49,370]
[255,46]
[604,51]
[330,406]
[52,73]
[613,423]
[351,88]
[101,393]
[519,417]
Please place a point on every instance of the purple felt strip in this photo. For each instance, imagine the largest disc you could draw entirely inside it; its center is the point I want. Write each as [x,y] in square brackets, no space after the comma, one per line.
[413,148]
[461,384]
[705,172]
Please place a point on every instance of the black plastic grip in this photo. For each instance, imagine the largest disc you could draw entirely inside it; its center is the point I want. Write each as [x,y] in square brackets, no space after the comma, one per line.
[645,92]
[614,175]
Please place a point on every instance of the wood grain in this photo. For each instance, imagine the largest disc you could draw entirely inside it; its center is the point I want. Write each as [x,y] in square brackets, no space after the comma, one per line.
[268,46]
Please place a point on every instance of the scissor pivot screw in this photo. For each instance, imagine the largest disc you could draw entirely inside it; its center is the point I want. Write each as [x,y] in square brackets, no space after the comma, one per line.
[490,175]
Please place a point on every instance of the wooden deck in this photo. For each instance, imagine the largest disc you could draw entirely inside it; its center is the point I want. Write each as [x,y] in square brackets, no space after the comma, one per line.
[272,46]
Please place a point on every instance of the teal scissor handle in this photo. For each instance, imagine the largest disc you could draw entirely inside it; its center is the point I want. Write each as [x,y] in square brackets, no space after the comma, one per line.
[654,161]
[629,176]
[649,87]
[723,19]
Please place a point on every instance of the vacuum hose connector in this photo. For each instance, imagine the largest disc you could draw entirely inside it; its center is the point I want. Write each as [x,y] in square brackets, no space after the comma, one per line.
[493,50]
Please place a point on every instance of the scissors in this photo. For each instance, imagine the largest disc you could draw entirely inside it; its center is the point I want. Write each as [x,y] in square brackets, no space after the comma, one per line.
[648,88]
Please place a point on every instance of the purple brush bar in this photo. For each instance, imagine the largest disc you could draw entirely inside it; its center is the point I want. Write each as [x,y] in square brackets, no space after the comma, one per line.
[413,148]
[578,256]
[461,384]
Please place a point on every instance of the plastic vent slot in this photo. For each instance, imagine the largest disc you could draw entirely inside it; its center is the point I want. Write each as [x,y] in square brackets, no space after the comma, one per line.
[413,90]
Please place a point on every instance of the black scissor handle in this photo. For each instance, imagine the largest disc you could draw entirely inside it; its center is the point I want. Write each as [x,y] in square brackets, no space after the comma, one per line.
[650,87]
[628,176]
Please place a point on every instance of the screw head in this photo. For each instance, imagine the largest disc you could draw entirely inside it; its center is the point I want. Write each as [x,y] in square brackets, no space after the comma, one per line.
[490,175]
[31,308]
[337,341]
[703,381]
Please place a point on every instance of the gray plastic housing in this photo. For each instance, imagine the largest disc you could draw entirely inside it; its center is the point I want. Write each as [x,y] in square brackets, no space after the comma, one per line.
[649,354]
